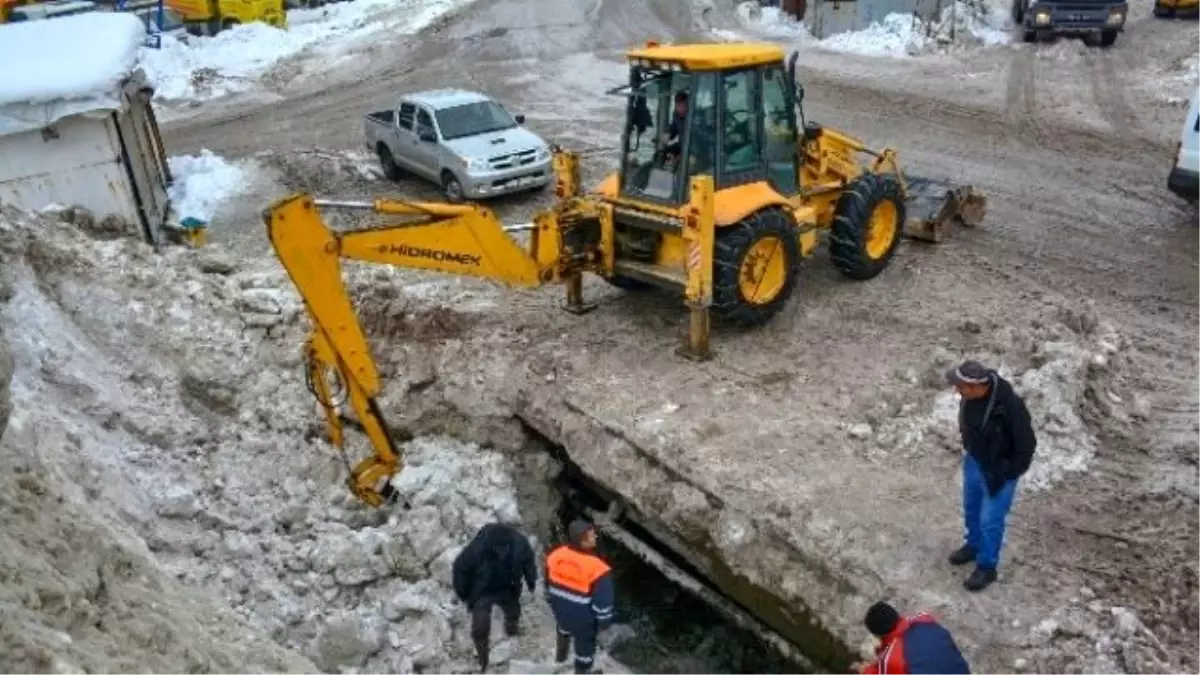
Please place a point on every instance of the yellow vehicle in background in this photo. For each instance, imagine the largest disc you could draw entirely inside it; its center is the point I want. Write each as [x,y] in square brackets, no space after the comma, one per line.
[209,17]
[1165,9]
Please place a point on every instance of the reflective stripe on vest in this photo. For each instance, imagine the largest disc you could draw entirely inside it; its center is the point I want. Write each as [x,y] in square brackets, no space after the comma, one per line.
[573,571]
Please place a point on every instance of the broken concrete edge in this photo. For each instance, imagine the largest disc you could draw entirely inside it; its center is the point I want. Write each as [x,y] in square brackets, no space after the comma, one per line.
[745,579]
[686,517]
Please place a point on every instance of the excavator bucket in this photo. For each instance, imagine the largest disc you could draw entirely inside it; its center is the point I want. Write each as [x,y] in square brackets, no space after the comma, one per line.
[934,205]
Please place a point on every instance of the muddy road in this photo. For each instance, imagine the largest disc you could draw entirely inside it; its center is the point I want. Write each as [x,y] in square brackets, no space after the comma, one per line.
[1072,150]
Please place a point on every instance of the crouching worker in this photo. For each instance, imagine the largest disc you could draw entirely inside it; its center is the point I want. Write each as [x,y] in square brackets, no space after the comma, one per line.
[580,589]
[487,573]
[911,644]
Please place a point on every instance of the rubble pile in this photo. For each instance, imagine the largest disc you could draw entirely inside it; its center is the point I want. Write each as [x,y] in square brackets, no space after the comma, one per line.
[152,396]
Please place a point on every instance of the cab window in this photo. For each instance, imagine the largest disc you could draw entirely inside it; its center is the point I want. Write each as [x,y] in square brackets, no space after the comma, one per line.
[779,131]
[742,156]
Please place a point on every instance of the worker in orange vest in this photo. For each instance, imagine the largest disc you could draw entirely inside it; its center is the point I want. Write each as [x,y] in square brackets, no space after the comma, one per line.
[580,589]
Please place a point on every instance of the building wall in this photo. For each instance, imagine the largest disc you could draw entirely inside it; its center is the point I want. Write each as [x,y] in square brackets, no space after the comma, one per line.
[77,165]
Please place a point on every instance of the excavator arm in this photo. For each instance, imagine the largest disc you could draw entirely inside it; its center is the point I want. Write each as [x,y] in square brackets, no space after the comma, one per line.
[458,239]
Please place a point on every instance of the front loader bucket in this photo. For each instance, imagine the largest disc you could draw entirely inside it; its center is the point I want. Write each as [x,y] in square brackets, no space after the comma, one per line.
[933,205]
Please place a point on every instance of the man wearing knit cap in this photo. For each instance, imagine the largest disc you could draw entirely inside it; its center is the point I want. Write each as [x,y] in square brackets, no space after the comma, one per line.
[911,644]
[998,438]
[580,589]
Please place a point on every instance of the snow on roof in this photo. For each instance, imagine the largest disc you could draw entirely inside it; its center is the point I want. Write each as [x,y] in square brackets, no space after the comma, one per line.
[64,66]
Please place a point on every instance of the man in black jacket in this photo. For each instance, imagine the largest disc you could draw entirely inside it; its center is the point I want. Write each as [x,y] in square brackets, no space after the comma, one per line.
[997,435]
[488,572]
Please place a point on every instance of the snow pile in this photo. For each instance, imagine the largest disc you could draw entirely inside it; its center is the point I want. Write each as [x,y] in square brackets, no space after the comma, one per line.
[192,507]
[201,183]
[987,22]
[70,57]
[1181,81]
[980,22]
[898,35]
[200,68]
[1066,371]
[771,22]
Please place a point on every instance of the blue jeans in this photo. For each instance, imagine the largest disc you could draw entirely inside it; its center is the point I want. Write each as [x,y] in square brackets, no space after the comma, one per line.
[984,514]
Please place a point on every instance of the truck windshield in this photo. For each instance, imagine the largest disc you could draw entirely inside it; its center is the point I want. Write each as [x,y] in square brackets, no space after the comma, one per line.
[472,119]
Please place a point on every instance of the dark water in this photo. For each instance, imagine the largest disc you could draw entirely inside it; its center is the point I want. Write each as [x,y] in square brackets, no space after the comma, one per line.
[675,632]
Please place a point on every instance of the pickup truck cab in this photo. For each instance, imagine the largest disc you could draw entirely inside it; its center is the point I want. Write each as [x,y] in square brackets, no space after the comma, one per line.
[1184,179]
[1098,21]
[463,141]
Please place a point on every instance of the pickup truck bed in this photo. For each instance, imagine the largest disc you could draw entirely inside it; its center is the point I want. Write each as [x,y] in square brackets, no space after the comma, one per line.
[383,116]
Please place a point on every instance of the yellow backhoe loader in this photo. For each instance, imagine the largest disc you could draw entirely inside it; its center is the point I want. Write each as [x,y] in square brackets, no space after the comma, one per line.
[1166,9]
[721,190]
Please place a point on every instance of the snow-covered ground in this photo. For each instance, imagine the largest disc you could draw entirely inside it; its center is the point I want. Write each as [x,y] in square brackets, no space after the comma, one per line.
[981,22]
[201,68]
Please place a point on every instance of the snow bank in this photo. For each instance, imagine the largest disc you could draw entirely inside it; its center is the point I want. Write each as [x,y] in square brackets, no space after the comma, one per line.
[71,57]
[198,68]
[978,22]
[897,35]
[201,183]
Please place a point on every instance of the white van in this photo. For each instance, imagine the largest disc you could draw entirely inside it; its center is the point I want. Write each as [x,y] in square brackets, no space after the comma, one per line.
[1185,175]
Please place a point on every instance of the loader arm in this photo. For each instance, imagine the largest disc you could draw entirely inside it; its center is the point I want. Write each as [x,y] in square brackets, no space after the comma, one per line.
[458,239]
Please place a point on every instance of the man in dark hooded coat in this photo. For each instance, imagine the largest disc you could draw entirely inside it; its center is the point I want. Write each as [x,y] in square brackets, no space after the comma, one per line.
[487,573]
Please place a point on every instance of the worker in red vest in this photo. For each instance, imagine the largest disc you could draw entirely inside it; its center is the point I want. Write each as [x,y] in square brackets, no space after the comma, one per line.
[911,644]
[580,588]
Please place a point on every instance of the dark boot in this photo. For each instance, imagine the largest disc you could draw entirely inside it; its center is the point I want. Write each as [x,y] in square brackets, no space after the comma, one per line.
[512,629]
[481,652]
[980,579]
[562,647]
[963,555]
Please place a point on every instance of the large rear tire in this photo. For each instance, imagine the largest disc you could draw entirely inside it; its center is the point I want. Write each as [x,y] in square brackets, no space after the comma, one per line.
[391,170]
[756,264]
[867,226]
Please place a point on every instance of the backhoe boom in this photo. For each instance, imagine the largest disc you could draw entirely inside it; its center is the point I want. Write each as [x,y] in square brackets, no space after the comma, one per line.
[456,239]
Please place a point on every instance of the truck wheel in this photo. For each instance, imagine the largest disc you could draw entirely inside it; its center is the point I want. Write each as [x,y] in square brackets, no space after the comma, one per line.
[229,23]
[1163,12]
[756,264]
[453,188]
[867,225]
[388,163]
[1030,36]
[1107,38]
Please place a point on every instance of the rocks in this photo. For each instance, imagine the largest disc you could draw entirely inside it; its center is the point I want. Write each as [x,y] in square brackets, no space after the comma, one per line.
[177,501]
[860,431]
[346,640]
[211,260]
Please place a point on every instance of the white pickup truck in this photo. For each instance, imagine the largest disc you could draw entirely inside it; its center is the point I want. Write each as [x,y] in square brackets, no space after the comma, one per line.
[463,141]
[1184,179]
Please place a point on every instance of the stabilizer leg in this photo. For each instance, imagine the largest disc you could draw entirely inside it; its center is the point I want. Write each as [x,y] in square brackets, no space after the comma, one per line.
[575,303]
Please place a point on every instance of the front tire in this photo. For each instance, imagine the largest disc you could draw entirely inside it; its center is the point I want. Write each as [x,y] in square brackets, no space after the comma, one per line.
[867,225]
[452,188]
[756,265]
[1107,38]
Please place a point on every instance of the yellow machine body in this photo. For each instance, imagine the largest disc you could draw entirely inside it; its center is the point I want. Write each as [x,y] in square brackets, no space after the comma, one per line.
[723,220]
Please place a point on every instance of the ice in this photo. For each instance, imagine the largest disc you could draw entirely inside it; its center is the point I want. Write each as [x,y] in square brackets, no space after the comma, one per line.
[67,58]
[202,68]
[202,182]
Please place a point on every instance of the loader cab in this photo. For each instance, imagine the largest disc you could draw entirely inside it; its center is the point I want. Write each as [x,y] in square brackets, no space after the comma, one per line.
[734,122]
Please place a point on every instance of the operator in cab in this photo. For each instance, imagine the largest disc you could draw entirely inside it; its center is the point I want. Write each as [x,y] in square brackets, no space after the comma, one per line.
[580,589]
[672,138]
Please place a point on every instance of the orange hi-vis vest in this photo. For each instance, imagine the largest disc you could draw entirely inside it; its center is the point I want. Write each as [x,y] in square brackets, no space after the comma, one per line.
[574,571]
[580,589]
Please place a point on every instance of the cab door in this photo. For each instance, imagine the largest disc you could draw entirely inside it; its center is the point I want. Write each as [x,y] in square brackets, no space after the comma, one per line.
[779,132]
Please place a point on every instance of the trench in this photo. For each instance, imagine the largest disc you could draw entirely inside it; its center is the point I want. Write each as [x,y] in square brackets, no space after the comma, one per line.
[670,617]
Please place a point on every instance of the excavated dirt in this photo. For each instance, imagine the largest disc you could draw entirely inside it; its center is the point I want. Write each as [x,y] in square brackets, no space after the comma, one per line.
[810,469]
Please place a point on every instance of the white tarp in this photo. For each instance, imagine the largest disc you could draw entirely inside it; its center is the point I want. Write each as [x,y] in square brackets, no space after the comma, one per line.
[55,68]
